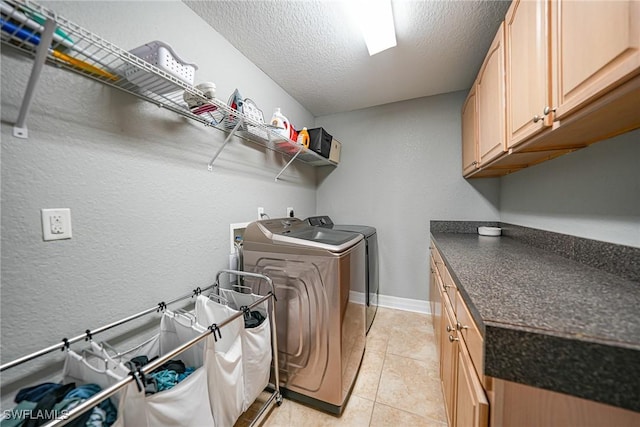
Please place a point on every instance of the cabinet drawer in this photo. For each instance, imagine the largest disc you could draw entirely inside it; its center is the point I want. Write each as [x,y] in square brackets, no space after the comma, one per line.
[450,288]
[448,285]
[470,334]
[438,260]
[447,292]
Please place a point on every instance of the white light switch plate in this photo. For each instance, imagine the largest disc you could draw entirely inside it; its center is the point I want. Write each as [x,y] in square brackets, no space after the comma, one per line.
[56,224]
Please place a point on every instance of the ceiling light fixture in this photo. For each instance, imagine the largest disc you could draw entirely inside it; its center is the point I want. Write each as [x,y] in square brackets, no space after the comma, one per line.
[375,18]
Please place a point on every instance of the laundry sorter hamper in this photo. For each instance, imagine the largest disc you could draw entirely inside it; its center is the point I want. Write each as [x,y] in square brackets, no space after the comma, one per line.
[243,358]
[256,344]
[88,368]
[188,403]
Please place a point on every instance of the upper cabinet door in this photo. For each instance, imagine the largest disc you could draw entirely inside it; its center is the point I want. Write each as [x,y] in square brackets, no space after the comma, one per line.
[469,134]
[597,47]
[491,102]
[527,28]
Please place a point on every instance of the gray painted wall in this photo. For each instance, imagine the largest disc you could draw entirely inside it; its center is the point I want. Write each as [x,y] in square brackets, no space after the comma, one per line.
[149,221]
[592,193]
[400,168]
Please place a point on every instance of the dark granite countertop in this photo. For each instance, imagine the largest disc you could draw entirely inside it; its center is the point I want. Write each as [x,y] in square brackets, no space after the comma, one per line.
[549,321]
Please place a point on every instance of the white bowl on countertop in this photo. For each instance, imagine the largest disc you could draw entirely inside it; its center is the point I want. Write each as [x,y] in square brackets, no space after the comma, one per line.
[489,231]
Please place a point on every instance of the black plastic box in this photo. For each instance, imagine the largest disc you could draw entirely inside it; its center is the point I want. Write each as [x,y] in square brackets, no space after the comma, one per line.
[320,141]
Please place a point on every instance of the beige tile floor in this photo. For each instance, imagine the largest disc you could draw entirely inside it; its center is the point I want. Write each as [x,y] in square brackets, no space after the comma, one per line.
[398,383]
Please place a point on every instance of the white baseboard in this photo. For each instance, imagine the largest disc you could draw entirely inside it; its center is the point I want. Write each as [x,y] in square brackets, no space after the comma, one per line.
[406,304]
[357,297]
[397,303]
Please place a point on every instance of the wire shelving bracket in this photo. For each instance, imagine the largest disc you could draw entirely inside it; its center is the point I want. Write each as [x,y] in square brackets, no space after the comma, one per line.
[87,54]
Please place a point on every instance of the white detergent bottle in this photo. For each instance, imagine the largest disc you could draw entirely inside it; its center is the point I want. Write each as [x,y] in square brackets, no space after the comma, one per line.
[281,122]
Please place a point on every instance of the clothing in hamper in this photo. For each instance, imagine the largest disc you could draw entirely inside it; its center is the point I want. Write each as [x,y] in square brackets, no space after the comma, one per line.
[104,414]
[168,378]
[256,344]
[226,383]
[36,412]
[40,404]
[47,404]
[187,404]
[50,399]
[253,319]
[163,378]
[92,374]
[35,393]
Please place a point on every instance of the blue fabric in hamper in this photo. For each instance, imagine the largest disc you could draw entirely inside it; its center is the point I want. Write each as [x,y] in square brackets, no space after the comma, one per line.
[187,404]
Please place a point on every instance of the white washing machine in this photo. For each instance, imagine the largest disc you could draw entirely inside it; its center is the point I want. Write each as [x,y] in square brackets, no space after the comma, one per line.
[321,331]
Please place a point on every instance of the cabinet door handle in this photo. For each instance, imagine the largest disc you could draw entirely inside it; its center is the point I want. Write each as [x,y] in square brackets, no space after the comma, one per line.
[450,329]
[446,287]
[460,326]
[452,338]
[545,112]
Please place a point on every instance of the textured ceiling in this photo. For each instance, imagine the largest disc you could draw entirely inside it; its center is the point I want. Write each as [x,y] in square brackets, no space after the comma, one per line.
[314,52]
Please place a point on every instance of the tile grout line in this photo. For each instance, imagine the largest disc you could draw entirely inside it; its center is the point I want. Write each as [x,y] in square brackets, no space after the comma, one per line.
[384,360]
[427,418]
[375,399]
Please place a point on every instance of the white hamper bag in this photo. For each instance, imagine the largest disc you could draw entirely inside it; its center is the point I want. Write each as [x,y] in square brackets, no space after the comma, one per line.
[226,386]
[91,369]
[187,404]
[256,346]
[180,330]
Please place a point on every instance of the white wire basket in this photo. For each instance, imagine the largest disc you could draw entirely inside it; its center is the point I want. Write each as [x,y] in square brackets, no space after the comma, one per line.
[162,56]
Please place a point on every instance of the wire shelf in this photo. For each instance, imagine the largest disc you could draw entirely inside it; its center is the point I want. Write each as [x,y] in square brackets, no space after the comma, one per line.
[24,27]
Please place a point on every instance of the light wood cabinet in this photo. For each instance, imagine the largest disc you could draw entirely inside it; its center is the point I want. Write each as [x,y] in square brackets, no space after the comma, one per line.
[435,300]
[447,285]
[491,102]
[527,69]
[475,400]
[469,134]
[466,404]
[472,406]
[516,404]
[473,340]
[596,46]
[448,360]
[572,78]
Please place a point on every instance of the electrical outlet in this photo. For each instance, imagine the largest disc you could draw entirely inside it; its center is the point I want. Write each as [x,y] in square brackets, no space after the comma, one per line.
[56,224]
[260,213]
[290,213]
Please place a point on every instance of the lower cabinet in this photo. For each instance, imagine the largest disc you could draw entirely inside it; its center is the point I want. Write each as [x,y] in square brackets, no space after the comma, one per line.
[465,400]
[516,404]
[475,400]
[472,406]
[436,305]
[448,360]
